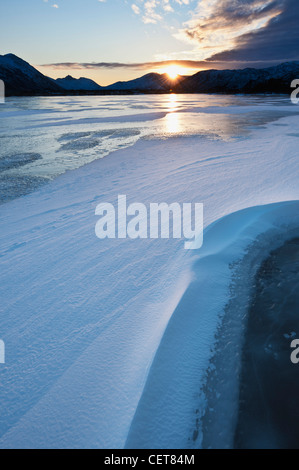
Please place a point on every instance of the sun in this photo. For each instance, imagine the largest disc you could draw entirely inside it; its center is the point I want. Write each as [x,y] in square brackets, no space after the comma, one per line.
[172,72]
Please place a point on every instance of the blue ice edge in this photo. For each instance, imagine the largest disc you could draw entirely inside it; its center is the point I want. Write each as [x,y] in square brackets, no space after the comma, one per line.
[174,400]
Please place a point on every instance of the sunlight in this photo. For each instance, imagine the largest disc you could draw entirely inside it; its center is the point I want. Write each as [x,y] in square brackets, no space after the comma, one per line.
[172,72]
[172,102]
[172,123]
[172,118]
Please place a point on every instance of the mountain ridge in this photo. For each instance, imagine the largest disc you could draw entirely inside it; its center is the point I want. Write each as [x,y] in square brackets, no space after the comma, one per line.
[275,79]
[22,79]
[150,81]
[77,84]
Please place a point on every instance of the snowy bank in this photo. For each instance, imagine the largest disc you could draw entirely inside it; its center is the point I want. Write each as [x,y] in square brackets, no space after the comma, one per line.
[175,398]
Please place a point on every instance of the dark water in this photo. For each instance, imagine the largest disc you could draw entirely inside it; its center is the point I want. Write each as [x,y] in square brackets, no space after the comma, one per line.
[269,389]
[12,187]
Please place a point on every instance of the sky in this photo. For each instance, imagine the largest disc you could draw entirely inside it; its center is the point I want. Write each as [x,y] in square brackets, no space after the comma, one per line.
[111,40]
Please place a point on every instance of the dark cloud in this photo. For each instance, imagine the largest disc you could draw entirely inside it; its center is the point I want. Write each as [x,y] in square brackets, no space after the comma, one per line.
[279,40]
[236,12]
[226,17]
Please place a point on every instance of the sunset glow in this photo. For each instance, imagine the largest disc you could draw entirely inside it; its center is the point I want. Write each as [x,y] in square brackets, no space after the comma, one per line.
[172,72]
[177,37]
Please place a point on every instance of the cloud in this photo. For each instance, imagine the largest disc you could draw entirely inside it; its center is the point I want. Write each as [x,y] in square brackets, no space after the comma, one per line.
[150,12]
[135,9]
[153,11]
[277,41]
[239,30]
[118,65]
[223,32]
[216,24]
[191,64]
[53,6]
[233,30]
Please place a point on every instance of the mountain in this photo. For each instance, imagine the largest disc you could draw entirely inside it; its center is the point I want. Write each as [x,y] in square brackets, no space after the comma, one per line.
[77,84]
[21,78]
[149,82]
[275,79]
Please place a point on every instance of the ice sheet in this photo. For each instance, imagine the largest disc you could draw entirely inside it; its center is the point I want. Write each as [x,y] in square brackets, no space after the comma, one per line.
[82,319]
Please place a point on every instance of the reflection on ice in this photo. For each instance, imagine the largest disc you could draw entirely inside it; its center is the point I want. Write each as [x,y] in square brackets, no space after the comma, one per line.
[173,101]
[173,123]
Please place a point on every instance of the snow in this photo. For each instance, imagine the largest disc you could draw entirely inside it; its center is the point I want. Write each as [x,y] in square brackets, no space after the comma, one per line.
[172,403]
[83,319]
[14,62]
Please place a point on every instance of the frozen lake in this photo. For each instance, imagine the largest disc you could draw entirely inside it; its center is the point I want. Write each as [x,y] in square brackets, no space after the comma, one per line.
[42,137]
[112,343]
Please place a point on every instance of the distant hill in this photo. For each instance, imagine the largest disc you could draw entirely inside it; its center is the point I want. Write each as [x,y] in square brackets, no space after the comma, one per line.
[149,82]
[77,84]
[275,79]
[21,78]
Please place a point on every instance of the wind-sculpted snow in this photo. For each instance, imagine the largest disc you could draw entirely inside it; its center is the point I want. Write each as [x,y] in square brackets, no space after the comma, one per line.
[90,325]
[177,396]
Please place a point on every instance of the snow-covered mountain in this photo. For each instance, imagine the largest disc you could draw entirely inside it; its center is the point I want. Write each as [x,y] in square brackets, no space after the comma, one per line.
[77,84]
[148,82]
[21,78]
[275,79]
